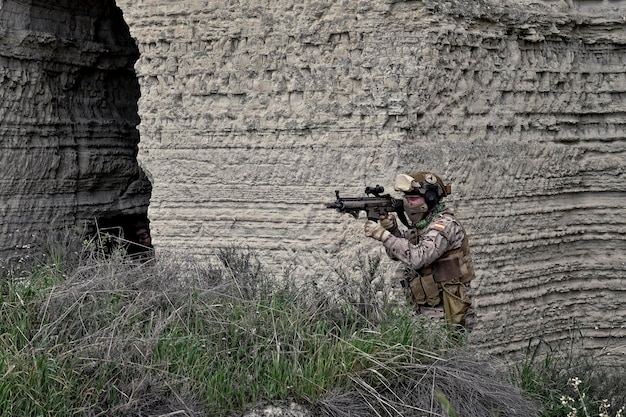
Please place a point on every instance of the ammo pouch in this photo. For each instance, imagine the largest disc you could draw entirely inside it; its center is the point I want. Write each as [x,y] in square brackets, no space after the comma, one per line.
[423,290]
[456,302]
[444,278]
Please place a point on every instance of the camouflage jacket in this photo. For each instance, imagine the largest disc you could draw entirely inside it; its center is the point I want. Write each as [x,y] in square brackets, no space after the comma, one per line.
[417,248]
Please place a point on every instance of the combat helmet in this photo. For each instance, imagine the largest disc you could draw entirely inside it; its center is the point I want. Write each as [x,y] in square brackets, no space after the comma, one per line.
[425,184]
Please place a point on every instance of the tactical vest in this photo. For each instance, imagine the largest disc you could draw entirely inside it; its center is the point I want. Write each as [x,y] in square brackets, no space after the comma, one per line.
[455,266]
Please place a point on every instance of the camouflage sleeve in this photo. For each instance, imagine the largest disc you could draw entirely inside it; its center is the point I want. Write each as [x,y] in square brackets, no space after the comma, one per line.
[442,235]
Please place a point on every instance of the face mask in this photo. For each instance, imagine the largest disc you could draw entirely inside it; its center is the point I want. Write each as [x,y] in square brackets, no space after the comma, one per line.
[415,207]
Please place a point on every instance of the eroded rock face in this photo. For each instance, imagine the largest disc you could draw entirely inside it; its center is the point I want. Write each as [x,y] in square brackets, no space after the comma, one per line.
[68,117]
[252,114]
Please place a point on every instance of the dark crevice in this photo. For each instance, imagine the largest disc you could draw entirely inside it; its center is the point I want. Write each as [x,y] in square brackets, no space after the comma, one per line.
[73,94]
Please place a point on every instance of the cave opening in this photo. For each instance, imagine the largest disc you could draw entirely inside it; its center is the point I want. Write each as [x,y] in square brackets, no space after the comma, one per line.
[128,232]
[113,190]
[127,225]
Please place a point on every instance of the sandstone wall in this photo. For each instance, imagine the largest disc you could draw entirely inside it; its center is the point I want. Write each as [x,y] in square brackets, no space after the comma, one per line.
[253,113]
[68,117]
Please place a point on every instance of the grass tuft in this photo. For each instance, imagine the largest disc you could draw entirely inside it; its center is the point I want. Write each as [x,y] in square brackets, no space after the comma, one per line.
[90,334]
[568,383]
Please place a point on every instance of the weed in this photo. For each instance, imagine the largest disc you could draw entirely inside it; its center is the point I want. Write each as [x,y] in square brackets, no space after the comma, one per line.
[105,335]
[546,373]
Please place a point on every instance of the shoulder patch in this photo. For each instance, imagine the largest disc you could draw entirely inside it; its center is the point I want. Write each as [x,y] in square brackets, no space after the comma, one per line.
[439,225]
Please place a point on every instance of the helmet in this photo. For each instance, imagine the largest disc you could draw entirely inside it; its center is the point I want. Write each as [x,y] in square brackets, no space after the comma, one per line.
[425,184]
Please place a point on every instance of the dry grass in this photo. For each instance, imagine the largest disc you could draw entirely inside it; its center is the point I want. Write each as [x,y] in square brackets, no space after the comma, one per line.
[87,334]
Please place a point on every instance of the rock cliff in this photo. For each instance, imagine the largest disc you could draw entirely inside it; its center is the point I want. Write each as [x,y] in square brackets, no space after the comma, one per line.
[253,113]
[68,119]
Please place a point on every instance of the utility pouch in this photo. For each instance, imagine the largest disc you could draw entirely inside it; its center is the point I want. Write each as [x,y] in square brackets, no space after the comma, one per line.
[420,287]
[408,291]
[424,291]
[448,270]
[456,303]
[430,289]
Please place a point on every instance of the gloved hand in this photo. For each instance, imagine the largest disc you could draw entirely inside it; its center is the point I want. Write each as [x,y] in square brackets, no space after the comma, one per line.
[389,222]
[376,231]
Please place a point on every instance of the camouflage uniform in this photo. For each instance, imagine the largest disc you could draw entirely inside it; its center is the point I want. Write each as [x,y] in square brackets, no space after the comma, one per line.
[434,250]
[421,250]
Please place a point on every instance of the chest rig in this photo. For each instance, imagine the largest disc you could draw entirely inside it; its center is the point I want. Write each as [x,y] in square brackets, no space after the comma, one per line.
[454,267]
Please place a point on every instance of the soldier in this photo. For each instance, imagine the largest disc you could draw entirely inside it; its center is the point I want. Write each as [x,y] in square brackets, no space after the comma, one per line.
[434,251]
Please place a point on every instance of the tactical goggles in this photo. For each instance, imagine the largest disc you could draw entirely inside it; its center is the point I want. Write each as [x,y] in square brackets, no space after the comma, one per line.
[421,189]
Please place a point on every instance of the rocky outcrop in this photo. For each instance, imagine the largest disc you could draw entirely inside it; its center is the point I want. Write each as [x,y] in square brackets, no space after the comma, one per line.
[68,117]
[252,114]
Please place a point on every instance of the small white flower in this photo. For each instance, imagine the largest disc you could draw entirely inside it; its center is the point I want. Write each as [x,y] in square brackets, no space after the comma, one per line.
[604,408]
[574,382]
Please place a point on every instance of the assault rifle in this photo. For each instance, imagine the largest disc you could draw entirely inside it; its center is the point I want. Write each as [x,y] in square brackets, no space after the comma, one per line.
[379,205]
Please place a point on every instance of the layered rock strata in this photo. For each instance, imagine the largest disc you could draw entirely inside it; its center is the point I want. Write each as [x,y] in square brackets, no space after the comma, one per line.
[68,117]
[252,114]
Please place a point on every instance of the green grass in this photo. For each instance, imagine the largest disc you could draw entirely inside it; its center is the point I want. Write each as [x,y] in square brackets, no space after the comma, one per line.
[113,335]
[83,334]
[569,384]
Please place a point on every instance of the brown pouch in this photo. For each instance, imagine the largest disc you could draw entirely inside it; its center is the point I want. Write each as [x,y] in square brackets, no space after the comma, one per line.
[425,291]
[411,295]
[416,292]
[456,303]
